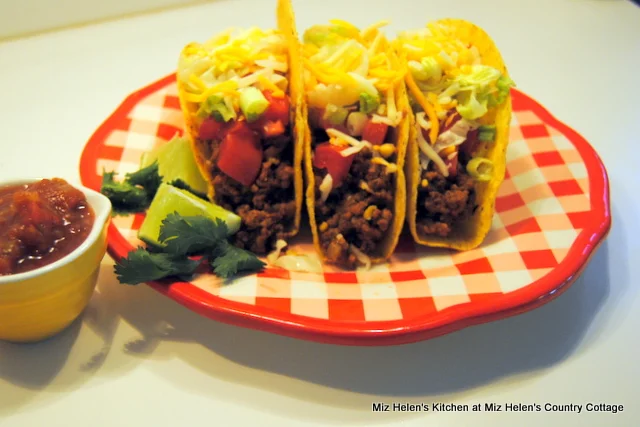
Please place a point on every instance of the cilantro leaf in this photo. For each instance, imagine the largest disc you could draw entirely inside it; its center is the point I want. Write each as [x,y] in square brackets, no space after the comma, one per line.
[183,235]
[135,192]
[148,178]
[125,198]
[141,266]
[229,260]
[179,183]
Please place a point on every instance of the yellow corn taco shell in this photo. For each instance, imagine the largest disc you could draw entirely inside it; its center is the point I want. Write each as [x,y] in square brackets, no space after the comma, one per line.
[398,137]
[202,152]
[472,232]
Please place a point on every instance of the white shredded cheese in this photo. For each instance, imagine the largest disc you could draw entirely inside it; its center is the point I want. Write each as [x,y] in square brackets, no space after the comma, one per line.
[375,43]
[424,124]
[431,154]
[300,263]
[325,187]
[354,149]
[253,77]
[343,136]
[375,118]
[362,258]
[392,111]
[341,51]
[273,256]
[272,64]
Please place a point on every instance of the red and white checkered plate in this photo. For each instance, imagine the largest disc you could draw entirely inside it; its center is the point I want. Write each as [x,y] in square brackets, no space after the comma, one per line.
[552,212]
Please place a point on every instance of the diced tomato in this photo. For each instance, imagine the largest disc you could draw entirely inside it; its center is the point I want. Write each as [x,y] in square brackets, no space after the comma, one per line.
[31,208]
[470,145]
[327,156]
[452,164]
[240,155]
[210,129]
[271,129]
[278,109]
[375,133]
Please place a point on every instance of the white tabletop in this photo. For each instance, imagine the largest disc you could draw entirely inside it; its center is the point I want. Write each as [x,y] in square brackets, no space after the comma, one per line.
[137,358]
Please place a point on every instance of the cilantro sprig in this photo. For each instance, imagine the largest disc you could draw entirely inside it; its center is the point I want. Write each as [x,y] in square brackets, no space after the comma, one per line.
[135,192]
[183,237]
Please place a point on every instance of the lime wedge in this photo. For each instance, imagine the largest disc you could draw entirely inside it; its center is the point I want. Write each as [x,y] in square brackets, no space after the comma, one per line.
[176,161]
[170,199]
[144,159]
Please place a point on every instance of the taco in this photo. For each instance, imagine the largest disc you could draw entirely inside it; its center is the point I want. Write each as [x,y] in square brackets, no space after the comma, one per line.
[239,93]
[357,129]
[459,91]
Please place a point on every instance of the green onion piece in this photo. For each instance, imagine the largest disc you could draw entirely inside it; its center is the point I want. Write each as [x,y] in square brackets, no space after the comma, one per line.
[480,169]
[205,107]
[487,133]
[253,103]
[368,103]
[335,115]
[216,107]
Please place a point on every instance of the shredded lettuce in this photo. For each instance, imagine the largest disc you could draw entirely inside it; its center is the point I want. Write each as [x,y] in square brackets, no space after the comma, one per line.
[432,68]
[479,89]
[469,106]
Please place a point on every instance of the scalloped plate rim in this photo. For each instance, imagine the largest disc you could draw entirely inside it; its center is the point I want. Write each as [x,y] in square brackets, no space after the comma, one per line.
[537,293]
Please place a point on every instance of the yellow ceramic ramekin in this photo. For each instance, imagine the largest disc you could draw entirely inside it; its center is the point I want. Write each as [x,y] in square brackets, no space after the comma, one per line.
[38,304]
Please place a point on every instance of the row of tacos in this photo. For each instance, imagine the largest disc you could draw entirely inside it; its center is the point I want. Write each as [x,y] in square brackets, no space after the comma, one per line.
[386,132]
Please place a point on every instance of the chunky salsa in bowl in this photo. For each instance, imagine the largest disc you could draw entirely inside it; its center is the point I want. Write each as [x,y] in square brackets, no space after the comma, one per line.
[53,237]
[40,223]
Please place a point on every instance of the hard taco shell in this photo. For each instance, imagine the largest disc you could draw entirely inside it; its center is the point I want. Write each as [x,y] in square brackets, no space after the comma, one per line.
[286,26]
[473,232]
[400,139]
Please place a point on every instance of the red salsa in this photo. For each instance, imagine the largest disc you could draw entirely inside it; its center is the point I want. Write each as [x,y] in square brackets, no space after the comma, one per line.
[40,223]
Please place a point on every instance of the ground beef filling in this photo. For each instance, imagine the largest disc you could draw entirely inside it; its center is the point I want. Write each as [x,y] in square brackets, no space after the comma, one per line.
[346,218]
[267,207]
[444,202]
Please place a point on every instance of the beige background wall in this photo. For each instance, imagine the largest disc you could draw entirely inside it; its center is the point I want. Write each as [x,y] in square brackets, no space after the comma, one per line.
[23,17]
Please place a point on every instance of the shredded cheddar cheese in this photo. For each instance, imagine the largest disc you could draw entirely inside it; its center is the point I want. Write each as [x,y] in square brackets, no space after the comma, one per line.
[391,167]
[373,29]
[229,62]
[341,62]
[426,106]
[368,213]
[269,85]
